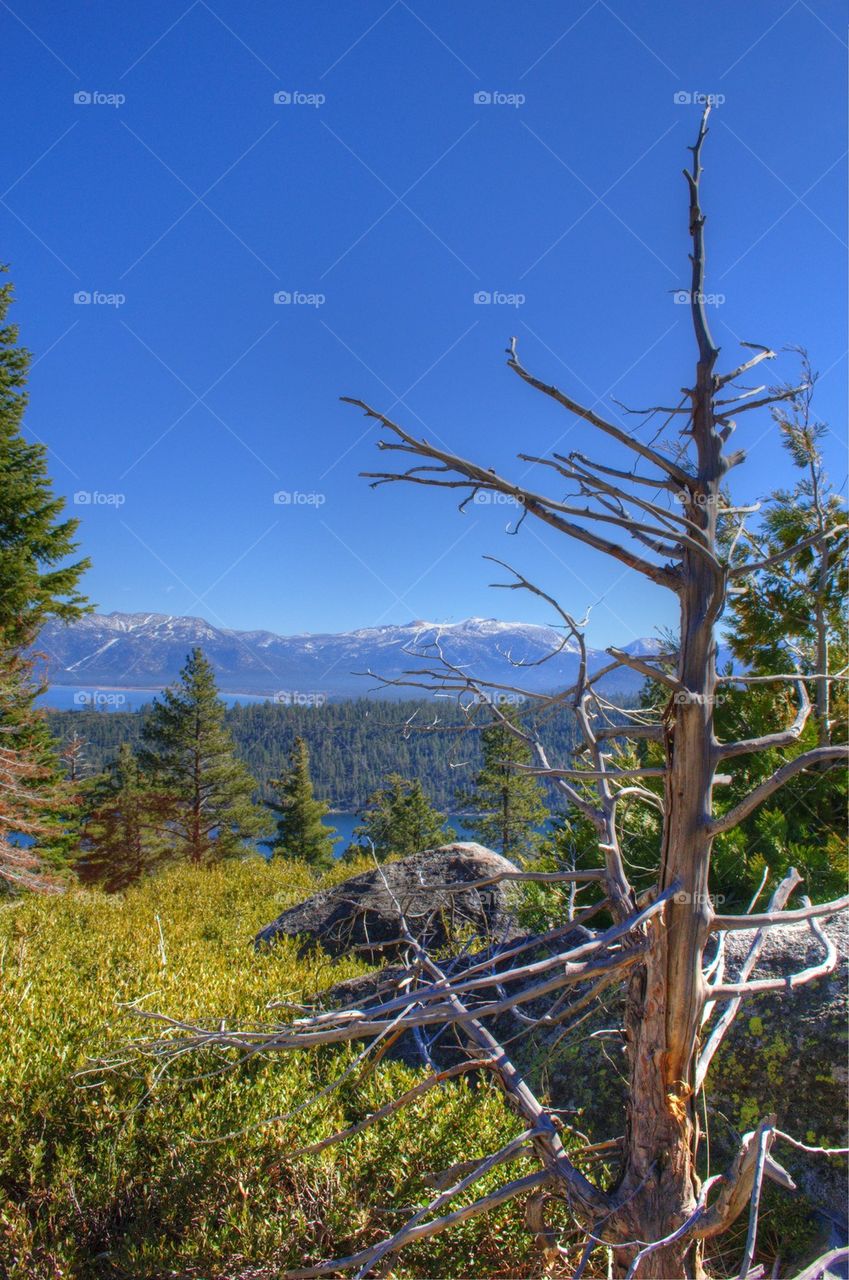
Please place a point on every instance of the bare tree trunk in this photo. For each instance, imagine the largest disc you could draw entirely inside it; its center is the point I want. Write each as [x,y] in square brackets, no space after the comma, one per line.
[665,1003]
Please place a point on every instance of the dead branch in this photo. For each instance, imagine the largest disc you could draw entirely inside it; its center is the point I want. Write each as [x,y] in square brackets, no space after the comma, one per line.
[631,477]
[764,1140]
[639,663]
[687,1227]
[773,398]
[817,755]
[424,1086]
[776,905]
[815,540]
[465,984]
[687,531]
[664,464]
[820,910]
[515,1147]
[737,1184]
[767,741]
[764,353]
[824,1266]
[732,990]
[424,1230]
[477,478]
[548,1145]
[814,1151]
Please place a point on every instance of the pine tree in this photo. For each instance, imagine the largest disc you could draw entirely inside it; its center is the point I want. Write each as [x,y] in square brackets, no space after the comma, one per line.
[399,819]
[122,836]
[301,832]
[791,616]
[28,783]
[507,803]
[188,760]
[793,612]
[36,584]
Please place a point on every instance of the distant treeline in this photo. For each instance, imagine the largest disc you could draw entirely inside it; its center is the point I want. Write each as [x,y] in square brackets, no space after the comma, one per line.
[353,746]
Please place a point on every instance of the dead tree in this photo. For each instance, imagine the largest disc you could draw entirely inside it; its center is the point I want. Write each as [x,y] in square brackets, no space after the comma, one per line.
[665,946]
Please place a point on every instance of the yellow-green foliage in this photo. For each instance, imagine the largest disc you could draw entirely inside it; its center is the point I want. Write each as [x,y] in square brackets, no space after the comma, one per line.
[112,1174]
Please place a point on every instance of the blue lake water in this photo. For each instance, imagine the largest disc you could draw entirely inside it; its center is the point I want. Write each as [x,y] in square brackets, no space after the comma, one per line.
[345,823]
[91,698]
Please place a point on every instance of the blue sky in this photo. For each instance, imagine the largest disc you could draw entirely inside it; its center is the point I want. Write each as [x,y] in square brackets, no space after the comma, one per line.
[381,198]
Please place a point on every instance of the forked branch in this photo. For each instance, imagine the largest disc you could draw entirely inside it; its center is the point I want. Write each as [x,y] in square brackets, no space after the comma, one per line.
[818,755]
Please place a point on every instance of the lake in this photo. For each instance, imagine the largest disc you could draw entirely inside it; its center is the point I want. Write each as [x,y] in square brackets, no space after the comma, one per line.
[60,697]
[345,823]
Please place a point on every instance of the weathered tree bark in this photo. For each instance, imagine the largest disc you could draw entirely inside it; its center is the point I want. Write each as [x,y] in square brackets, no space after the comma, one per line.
[665,1002]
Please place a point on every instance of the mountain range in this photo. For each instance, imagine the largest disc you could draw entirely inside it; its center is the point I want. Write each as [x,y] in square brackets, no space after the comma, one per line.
[147,650]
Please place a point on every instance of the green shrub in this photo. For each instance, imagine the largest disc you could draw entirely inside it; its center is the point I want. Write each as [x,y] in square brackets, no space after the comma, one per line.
[130,1172]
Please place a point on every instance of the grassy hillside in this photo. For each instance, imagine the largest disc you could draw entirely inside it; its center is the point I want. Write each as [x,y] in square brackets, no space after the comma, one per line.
[118,1173]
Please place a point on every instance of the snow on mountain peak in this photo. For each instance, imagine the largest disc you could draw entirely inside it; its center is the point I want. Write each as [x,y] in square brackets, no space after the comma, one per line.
[147,650]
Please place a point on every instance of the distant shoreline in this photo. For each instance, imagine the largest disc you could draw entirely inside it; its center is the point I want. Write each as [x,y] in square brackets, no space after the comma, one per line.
[95,687]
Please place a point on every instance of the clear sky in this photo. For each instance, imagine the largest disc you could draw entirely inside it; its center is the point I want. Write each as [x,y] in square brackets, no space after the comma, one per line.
[381,197]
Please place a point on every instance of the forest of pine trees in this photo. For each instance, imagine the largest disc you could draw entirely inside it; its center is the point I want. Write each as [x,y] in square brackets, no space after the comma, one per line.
[353,746]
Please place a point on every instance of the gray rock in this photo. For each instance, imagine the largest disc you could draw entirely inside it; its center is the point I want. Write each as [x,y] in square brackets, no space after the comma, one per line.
[361,914]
